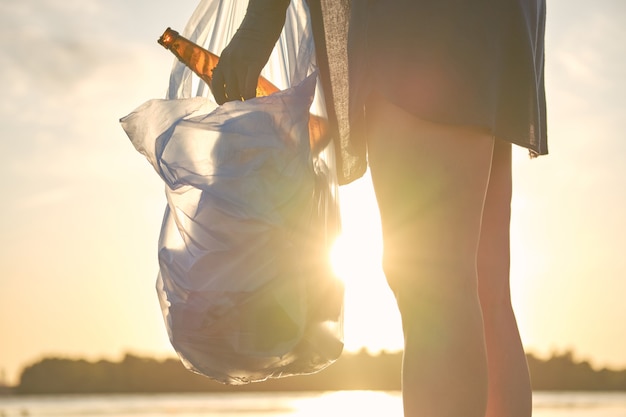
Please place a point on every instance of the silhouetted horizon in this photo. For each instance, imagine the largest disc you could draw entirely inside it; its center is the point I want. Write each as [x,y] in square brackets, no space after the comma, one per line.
[353,371]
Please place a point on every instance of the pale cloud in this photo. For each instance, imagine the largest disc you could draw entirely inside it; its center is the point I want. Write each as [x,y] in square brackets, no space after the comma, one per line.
[579,66]
[586,50]
[80,206]
[46,198]
[586,46]
[50,39]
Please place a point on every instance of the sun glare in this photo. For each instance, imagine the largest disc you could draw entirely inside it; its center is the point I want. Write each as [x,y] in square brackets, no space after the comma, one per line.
[356,257]
[371,317]
[343,259]
[357,252]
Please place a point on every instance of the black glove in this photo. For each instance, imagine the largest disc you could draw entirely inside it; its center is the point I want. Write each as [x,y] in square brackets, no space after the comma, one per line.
[237,72]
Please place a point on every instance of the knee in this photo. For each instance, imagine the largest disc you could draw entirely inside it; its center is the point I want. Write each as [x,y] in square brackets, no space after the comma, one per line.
[493,283]
[422,272]
[495,303]
[427,288]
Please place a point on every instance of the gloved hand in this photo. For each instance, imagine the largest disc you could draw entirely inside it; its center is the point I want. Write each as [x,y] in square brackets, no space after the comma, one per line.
[237,72]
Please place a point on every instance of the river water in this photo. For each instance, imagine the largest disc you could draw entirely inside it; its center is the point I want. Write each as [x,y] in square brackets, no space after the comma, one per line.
[307,404]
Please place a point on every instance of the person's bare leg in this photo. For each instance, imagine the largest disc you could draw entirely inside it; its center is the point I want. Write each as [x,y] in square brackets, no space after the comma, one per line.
[430,182]
[509,383]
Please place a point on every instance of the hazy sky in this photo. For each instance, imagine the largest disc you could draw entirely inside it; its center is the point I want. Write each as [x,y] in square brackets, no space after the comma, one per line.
[81,210]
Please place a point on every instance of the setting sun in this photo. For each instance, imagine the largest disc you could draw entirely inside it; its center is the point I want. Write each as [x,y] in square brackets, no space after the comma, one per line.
[371,317]
[355,260]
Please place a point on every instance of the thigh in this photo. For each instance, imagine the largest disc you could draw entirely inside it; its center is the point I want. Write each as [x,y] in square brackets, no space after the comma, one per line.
[494,246]
[430,182]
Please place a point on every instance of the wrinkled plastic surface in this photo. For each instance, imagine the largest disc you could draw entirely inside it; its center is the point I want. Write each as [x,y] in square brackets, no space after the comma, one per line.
[245,282]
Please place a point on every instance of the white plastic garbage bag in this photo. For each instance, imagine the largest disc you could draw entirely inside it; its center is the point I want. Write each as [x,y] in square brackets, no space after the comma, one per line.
[245,282]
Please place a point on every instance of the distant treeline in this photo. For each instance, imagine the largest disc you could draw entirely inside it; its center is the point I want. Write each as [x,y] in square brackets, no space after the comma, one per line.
[562,372]
[146,375]
[363,371]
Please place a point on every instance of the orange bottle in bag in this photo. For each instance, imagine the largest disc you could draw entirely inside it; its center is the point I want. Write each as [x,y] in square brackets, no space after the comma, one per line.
[202,62]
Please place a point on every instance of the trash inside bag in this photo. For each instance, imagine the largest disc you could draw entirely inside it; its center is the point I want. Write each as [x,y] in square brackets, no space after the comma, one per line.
[245,282]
